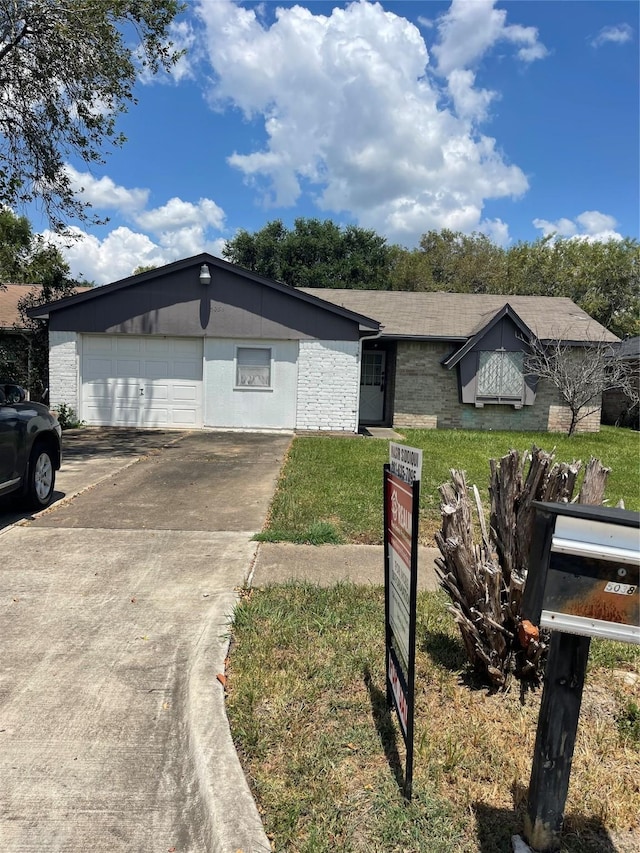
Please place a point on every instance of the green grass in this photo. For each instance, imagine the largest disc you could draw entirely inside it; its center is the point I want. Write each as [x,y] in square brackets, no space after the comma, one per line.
[324,757]
[338,482]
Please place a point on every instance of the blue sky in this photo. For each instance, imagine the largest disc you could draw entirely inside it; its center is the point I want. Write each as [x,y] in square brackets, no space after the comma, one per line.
[517,119]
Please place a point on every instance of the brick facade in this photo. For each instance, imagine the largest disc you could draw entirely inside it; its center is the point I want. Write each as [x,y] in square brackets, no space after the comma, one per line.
[328,386]
[63,370]
[427,397]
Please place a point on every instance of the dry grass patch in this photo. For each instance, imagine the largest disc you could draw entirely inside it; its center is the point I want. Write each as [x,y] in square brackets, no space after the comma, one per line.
[308,713]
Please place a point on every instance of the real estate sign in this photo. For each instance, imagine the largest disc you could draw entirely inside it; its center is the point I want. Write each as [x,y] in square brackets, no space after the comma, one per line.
[401,502]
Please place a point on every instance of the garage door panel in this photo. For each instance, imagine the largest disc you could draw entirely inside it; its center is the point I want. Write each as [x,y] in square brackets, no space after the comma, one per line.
[161,388]
[154,392]
[156,369]
[187,369]
[127,367]
[99,345]
[184,418]
[185,348]
[182,393]
[97,368]
[127,345]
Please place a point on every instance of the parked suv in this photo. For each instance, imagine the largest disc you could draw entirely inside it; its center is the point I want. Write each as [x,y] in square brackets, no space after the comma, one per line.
[30,451]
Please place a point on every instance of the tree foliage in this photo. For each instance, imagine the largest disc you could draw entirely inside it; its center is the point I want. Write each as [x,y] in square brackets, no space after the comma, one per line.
[602,278]
[67,70]
[25,258]
[314,253]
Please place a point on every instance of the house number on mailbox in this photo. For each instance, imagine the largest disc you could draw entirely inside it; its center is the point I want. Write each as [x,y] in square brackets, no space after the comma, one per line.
[620,588]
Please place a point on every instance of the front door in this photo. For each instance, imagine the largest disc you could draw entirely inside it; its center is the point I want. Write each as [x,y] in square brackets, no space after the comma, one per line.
[372,386]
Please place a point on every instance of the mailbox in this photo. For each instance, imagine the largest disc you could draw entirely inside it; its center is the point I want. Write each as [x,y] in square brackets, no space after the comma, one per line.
[584,571]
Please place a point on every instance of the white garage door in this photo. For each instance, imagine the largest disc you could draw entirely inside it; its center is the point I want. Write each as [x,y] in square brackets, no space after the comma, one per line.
[141,381]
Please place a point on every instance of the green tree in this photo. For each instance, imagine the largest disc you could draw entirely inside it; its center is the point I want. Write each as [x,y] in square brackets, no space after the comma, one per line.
[25,258]
[67,70]
[314,253]
[451,261]
[602,278]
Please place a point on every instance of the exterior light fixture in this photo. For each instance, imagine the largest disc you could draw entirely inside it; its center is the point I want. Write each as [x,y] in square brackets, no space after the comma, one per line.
[205,275]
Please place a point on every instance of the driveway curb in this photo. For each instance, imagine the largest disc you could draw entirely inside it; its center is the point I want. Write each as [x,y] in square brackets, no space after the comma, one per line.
[233,822]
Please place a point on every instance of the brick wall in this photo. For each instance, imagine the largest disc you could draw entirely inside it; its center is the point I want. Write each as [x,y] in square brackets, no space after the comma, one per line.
[63,370]
[328,386]
[426,397]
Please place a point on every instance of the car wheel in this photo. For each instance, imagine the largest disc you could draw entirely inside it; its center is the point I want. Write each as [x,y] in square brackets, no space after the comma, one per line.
[42,477]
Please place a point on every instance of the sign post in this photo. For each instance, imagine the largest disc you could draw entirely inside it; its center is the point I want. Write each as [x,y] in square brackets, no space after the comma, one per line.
[401,521]
[583,582]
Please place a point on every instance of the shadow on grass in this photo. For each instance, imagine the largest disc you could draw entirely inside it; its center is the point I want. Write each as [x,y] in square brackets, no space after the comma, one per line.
[444,650]
[496,827]
[383,719]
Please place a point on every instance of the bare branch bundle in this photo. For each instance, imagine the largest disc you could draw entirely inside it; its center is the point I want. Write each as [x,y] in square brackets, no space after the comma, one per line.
[485,580]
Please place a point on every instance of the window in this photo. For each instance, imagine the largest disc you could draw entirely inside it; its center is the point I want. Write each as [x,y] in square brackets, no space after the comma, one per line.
[500,377]
[371,373]
[253,367]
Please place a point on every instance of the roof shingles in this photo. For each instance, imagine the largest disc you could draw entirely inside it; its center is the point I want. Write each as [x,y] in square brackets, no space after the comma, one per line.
[10,295]
[457,316]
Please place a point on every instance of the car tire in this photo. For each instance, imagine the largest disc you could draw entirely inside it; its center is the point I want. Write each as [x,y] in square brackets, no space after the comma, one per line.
[42,478]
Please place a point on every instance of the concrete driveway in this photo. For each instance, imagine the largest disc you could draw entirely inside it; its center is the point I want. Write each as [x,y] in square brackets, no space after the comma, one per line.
[114,605]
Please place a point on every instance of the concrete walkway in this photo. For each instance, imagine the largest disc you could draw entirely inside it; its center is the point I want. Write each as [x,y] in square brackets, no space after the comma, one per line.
[329,564]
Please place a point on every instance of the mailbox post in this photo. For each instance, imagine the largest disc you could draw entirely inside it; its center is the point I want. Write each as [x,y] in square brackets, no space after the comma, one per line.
[583,579]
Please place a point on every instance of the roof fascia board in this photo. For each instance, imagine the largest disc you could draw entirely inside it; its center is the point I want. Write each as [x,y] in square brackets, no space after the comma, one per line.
[391,336]
[505,311]
[43,311]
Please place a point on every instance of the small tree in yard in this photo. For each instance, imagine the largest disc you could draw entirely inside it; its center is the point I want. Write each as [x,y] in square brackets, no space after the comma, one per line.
[582,374]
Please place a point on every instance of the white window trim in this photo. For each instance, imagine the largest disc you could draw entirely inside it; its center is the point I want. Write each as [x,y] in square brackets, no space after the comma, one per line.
[261,388]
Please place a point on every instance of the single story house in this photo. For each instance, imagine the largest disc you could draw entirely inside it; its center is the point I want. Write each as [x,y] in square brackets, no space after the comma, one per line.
[203,343]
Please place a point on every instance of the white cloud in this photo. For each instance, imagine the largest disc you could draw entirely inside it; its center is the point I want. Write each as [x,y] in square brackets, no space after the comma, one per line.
[496,230]
[114,257]
[590,225]
[104,194]
[468,30]
[178,228]
[614,34]
[179,214]
[350,110]
[183,38]
[469,103]
[118,254]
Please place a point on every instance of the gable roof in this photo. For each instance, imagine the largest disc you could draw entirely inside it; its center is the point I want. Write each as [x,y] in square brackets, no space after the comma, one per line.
[505,311]
[43,311]
[459,316]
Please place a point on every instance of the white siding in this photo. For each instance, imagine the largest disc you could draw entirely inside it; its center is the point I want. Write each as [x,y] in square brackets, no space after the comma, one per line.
[328,385]
[63,370]
[230,407]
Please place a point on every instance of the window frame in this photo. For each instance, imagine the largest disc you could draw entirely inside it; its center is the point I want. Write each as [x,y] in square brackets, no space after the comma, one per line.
[515,400]
[237,365]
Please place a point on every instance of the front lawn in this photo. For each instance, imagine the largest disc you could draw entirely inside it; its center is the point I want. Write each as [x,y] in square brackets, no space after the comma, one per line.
[324,757]
[331,488]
